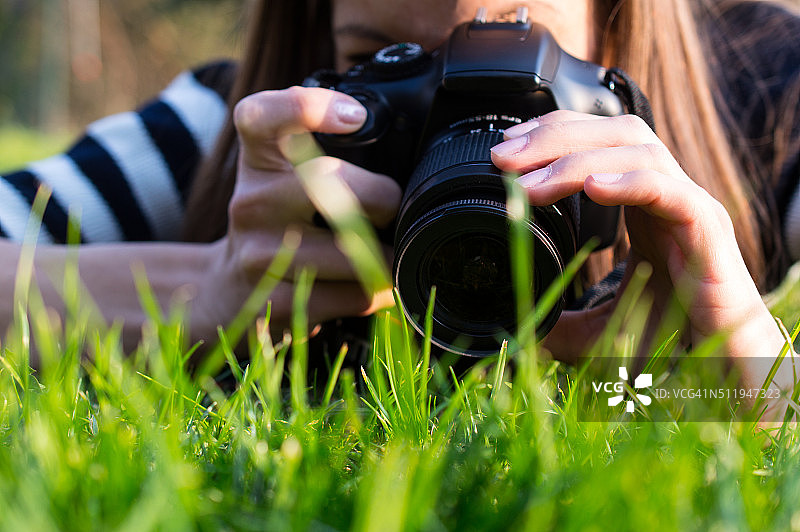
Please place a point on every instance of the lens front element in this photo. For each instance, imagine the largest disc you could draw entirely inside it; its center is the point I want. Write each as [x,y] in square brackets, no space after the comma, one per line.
[472,276]
[462,248]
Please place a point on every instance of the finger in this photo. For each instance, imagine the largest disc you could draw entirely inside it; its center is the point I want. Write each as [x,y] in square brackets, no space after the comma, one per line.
[673,200]
[265,201]
[318,251]
[378,195]
[697,223]
[323,254]
[328,300]
[567,175]
[553,116]
[550,140]
[263,118]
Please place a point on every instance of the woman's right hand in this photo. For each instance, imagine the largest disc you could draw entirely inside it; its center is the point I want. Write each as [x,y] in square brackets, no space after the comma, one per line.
[269,198]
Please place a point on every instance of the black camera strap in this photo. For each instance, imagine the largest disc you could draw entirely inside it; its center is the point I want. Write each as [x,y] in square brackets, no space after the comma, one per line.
[602,291]
[637,103]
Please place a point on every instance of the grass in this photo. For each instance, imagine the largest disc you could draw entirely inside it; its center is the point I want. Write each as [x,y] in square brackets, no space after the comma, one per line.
[141,442]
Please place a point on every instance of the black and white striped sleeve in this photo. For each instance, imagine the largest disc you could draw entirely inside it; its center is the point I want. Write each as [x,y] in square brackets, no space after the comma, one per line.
[128,178]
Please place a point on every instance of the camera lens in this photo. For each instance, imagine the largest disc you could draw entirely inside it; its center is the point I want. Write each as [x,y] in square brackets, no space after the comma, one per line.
[453,233]
[470,269]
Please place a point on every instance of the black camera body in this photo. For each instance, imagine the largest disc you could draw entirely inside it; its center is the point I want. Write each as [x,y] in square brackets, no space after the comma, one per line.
[432,120]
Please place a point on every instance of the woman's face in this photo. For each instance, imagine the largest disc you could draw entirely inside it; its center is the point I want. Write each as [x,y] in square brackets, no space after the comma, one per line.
[362,27]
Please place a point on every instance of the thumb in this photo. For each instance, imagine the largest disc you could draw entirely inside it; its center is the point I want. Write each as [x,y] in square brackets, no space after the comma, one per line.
[264,118]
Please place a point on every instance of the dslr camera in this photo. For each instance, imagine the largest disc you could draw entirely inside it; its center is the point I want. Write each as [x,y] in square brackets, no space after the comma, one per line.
[432,119]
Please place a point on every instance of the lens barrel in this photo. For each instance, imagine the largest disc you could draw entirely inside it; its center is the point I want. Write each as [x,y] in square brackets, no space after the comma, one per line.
[453,233]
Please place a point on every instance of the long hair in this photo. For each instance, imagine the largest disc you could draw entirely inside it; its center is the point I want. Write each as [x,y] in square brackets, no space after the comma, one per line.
[285,42]
[653,40]
[657,43]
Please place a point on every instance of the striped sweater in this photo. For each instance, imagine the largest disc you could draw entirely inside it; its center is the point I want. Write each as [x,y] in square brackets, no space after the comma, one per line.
[128,177]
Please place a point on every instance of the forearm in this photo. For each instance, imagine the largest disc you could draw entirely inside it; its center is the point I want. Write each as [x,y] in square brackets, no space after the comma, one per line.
[173,270]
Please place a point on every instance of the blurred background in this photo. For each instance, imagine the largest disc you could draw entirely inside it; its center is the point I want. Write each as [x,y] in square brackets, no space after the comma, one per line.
[64,63]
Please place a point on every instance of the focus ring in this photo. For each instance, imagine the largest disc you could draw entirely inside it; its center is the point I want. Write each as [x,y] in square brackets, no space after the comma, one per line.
[472,147]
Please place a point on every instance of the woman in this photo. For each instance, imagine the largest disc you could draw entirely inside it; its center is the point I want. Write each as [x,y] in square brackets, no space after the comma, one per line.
[701,204]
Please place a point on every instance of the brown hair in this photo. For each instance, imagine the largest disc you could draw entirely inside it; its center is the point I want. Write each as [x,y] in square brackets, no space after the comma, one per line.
[655,42]
[286,41]
[650,39]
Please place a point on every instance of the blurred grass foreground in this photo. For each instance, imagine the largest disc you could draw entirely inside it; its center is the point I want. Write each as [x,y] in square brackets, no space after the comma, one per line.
[98,439]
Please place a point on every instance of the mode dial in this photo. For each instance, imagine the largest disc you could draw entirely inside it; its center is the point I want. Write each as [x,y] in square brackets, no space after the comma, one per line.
[399,60]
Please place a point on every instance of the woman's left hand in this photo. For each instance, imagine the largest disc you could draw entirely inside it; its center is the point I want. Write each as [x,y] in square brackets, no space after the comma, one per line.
[673,223]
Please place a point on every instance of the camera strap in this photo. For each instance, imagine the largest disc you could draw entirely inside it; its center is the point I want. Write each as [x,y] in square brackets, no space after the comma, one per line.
[602,291]
[637,103]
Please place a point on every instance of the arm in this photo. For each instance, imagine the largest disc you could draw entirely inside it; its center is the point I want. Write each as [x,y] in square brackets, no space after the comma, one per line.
[173,270]
[268,200]
[125,179]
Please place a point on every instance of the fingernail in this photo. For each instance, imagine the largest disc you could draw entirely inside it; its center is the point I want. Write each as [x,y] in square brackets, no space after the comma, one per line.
[510,147]
[606,179]
[350,112]
[536,177]
[521,129]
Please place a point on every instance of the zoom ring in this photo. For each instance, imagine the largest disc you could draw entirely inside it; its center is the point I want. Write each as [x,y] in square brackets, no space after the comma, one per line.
[472,147]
